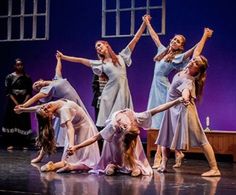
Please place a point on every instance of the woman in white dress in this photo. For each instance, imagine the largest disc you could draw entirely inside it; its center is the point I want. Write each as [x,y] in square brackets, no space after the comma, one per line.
[79,127]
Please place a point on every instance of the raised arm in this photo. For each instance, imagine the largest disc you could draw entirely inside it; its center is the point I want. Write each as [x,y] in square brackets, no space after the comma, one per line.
[87,142]
[58,69]
[165,106]
[152,32]
[207,34]
[189,53]
[137,36]
[83,61]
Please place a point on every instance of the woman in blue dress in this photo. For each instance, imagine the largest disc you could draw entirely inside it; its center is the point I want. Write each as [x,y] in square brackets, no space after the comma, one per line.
[166,60]
[181,127]
[116,94]
[55,89]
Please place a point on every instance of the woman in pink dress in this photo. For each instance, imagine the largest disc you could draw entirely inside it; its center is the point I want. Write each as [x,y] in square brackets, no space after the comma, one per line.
[122,151]
[79,128]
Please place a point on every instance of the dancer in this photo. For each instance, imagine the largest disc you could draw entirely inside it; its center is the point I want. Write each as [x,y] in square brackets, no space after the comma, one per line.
[116,94]
[167,59]
[54,89]
[79,127]
[181,127]
[122,150]
[17,128]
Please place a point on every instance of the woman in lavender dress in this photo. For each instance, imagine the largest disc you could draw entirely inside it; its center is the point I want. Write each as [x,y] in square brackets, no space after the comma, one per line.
[122,151]
[116,94]
[49,90]
[167,60]
[79,127]
[181,127]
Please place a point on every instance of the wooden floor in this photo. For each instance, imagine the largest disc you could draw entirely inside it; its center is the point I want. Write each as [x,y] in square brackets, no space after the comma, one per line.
[18,176]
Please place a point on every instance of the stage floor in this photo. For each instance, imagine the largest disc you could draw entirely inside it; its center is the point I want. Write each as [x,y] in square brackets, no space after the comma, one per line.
[18,176]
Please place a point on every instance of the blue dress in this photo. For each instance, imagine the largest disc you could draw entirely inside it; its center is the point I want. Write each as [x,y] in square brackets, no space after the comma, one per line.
[181,127]
[161,83]
[116,94]
[60,88]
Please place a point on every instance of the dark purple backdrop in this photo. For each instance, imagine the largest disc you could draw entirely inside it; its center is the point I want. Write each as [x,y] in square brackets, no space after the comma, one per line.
[75,27]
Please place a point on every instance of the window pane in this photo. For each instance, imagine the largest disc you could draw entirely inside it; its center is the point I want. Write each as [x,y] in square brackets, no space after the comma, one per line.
[40,27]
[3,29]
[125,22]
[29,5]
[41,6]
[28,27]
[111,23]
[15,33]
[3,7]
[16,7]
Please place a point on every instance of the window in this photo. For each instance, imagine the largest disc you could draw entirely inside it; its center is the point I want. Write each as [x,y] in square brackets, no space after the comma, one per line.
[121,18]
[24,20]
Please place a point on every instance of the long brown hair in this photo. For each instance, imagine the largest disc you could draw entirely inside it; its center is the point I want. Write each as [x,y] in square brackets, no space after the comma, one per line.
[129,140]
[171,56]
[201,78]
[46,138]
[113,55]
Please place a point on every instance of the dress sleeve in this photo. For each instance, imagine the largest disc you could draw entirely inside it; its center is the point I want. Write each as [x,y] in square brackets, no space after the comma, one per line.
[66,114]
[108,131]
[179,62]
[160,49]
[57,77]
[144,119]
[49,90]
[188,84]
[97,66]
[125,54]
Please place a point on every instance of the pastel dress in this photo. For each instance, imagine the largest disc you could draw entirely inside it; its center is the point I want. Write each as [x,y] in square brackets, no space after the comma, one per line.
[181,127]
[112,152]
[116,93]
[60,88]
[161,83]
[84,129]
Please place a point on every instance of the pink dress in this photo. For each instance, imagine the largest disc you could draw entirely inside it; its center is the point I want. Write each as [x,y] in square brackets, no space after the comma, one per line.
[84,129]
[111,152]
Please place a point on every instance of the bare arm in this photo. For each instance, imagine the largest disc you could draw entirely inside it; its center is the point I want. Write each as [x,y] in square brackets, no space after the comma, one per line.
[83,61]
[71,133]
[152,32]
[137,36]
[189,53]
[58,69]
[165,106]
[87,142]
[34,99]
[207,34]
[20,109]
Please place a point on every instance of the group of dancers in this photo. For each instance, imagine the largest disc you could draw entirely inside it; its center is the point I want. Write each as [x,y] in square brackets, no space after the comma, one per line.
[178,124]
